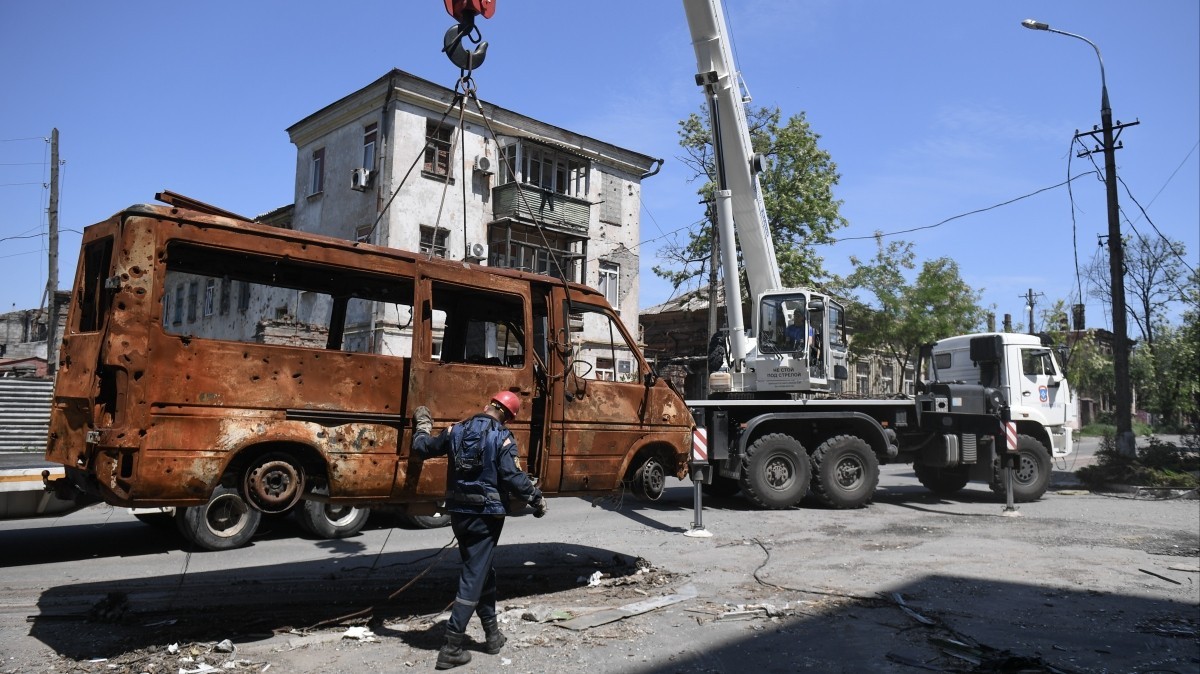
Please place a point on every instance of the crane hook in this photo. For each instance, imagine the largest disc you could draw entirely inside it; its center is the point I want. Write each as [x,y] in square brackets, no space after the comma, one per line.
[452,45]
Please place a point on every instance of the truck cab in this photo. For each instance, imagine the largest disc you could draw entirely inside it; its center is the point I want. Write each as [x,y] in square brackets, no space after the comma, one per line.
[1028,374]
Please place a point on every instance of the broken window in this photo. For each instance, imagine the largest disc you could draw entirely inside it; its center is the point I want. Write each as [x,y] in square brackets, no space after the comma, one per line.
[92,298]
[298,303]
[603,346]
[433,240]
[610,280]
[437,148]
[479,327]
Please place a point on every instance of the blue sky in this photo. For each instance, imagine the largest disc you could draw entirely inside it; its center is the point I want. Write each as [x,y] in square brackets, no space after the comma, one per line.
[931,109]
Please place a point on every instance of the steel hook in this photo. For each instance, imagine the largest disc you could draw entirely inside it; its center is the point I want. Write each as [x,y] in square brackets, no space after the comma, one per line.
[459,55]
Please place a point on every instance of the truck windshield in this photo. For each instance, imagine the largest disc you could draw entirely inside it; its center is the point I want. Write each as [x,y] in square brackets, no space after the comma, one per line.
[783,325]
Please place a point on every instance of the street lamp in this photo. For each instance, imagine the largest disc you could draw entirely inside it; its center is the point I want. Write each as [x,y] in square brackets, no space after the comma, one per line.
[1116,256]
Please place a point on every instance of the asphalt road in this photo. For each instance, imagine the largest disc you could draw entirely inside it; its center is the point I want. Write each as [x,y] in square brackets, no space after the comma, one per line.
[1076,582]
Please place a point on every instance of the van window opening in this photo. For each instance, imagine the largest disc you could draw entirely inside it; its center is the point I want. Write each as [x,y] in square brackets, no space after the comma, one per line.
[478,327]
[298,302]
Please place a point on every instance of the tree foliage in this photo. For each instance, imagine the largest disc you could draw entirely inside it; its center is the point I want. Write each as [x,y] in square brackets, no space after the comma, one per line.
[797,190]
[902,315]
[1152,269]
[1163,366]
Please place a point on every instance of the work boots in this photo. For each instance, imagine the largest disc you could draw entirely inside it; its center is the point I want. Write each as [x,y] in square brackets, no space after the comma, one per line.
[495,638]
[452,653]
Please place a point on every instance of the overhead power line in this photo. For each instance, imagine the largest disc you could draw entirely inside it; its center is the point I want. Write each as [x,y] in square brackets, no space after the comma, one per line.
[963,215]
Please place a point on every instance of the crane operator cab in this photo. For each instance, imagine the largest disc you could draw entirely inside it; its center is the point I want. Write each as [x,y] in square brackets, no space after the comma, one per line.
[800,340]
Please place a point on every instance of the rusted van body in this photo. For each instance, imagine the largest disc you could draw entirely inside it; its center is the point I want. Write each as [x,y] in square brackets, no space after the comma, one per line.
[171,381]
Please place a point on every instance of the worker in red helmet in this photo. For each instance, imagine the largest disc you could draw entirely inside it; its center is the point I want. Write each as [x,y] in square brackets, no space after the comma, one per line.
[484,477]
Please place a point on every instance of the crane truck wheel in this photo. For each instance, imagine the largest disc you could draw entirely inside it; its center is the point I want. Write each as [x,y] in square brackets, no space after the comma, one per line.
[328,521]
[942,481]
[775,471]
[224,523]
[845,472]
[1031,475]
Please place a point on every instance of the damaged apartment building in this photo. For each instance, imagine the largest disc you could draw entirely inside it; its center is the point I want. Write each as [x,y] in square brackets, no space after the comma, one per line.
[389,165]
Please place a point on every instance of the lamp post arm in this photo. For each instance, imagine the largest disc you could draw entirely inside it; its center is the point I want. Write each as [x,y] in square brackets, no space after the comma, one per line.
[1103,82]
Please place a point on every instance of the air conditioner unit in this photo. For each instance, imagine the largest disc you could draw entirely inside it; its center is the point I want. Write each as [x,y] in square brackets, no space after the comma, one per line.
[483,164]
[477,252]
[360,179]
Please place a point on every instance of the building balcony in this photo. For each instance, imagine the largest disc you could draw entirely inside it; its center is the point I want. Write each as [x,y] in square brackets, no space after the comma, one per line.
[534,206]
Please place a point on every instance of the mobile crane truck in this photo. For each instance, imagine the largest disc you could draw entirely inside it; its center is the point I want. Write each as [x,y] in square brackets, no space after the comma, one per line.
[773,430]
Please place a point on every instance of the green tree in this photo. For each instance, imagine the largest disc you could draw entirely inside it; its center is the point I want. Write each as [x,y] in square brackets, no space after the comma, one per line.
[1173,389]
[1152,269]
[902,316]
[797,187]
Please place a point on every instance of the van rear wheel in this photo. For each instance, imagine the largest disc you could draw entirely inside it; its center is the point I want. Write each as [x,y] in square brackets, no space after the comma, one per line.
[328,521]
[224,523]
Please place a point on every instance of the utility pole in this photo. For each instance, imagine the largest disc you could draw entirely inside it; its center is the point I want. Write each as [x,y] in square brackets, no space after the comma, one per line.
[1122,398]
[1030,300]
[52,268]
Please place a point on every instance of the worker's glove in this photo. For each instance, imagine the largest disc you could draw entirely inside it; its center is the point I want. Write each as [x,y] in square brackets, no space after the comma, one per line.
[540,507]
[423,420]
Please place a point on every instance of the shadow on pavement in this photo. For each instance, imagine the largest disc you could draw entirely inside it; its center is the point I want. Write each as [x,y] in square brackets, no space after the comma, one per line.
[97,620]
[953,624]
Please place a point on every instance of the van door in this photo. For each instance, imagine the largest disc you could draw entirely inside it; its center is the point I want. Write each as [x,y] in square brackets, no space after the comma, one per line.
[599,412]
[78,381]
[471,339]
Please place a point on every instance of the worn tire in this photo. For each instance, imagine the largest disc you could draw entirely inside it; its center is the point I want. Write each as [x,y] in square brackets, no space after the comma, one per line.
[224,523]
[326,520]
[942,481]
[721,487]
[775,471]
[434,521]
[845,472]
[650,480]
[1031,477]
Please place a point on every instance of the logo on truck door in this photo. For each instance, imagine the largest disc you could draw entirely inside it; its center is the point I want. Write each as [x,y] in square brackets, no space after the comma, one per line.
[1044,394]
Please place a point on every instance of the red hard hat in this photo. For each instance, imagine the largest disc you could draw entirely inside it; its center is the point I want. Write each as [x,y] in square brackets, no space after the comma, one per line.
[509,401]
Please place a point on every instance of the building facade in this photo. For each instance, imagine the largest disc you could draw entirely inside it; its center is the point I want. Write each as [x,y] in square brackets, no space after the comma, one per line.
[390,165]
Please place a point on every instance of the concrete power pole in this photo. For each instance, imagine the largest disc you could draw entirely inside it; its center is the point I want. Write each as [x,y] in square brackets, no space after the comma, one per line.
[1030,300]
[52,264]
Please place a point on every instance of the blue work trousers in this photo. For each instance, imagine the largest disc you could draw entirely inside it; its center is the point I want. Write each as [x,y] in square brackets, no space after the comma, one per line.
[477,538]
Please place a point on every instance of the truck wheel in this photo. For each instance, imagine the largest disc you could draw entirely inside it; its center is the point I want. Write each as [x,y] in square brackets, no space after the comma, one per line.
[845,472]
[942,481]
[721,487]
[326,520]
[775,472]
[224,523]
[1031,475]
